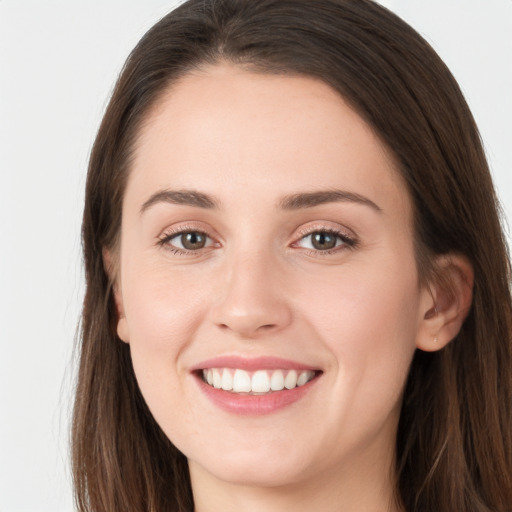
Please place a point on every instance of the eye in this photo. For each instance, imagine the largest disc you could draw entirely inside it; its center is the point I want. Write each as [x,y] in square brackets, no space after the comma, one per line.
[187,241]
[325,241]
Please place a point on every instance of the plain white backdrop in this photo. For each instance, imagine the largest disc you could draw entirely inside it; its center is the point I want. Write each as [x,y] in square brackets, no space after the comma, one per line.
[58,63]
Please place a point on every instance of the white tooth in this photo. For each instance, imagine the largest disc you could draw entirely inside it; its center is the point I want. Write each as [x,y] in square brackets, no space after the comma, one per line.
[277,380]
[227,380]
[217,378]
[209,376]
[291,380]
[304,377]
[260,382]
[241,382]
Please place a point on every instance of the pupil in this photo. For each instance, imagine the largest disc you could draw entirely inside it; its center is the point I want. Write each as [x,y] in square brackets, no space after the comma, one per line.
[323,241]
[193,241]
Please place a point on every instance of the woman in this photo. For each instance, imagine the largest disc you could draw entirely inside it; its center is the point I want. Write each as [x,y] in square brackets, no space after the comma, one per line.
[297,283]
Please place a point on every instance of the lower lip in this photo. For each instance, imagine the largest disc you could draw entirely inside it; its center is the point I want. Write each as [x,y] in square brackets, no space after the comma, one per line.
[254,405]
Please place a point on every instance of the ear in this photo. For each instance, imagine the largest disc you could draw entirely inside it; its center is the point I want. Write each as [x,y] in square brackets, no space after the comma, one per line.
[112,268]
[445,302]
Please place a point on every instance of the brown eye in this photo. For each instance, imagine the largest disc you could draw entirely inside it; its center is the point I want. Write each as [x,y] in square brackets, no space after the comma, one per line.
[326,241]
[188,241]
[323,240]
[193,240]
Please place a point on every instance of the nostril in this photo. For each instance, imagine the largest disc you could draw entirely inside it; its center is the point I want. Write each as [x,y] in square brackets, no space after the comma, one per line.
[248,330]
[266,327]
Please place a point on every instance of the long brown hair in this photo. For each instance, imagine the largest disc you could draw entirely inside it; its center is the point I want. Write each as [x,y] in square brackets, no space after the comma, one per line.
[454,443]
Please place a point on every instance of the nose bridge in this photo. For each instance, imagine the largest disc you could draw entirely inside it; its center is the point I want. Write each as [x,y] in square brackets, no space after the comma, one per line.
[251,298]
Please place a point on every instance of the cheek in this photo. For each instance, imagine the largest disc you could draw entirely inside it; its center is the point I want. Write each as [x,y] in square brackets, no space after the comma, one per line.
[161,305]
[163,311]
[368,321]
[371,304]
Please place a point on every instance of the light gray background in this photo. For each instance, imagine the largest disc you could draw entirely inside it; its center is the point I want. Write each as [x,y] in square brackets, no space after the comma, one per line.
[58,62]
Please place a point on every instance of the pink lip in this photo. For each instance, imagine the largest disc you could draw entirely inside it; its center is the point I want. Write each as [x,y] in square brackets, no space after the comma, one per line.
[253,405]
[252,364]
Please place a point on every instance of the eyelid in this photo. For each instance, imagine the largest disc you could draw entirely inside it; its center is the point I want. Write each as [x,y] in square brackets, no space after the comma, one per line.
[173,231]
[316,226]
[348,237]
[180,234]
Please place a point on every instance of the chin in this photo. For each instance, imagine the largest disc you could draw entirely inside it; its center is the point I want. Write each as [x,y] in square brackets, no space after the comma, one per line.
[256,472]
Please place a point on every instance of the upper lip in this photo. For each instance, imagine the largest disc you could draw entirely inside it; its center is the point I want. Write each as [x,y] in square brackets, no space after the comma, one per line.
[252,364]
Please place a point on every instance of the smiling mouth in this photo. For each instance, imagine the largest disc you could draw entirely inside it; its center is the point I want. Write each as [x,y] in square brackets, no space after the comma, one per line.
[259,382]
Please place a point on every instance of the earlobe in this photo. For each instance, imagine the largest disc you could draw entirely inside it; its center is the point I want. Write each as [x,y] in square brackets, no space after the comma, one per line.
[113,274]
[122,329]
[446,302]
[122,324]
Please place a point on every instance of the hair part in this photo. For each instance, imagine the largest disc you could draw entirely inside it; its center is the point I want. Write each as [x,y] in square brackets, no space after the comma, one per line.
[454,442]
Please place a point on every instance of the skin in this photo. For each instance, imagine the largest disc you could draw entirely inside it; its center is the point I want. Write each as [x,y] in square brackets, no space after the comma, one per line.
[259,288]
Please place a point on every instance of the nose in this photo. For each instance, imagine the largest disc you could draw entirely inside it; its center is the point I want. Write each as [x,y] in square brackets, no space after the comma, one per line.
[252,297]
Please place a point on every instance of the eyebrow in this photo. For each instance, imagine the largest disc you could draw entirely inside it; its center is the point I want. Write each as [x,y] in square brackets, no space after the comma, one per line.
[180,197]
[290,202]
[311,199]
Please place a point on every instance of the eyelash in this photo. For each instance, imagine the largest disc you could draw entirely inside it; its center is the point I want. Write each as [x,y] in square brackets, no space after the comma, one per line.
[348,242]
[167,236]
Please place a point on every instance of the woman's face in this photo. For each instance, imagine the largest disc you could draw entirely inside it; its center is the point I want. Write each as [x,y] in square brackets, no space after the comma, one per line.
[267,244]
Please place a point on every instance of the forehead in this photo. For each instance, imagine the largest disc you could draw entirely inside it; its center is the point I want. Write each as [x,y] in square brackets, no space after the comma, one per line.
[225,129]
